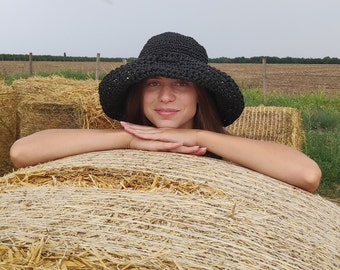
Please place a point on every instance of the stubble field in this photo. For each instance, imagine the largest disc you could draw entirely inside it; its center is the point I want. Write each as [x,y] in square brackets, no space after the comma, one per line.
[286,78]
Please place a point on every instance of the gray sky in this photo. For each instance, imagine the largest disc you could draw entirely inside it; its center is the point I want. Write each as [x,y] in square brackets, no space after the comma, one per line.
[120,28]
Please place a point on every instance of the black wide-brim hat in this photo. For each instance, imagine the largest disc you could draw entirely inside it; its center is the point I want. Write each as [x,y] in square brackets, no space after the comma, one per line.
[171,55]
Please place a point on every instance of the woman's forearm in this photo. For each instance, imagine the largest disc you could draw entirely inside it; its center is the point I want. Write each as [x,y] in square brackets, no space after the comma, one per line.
[276,160]
[57,143]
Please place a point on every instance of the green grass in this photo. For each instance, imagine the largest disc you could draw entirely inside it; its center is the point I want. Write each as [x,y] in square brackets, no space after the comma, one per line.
[70,74]
[9,78]
[321,121]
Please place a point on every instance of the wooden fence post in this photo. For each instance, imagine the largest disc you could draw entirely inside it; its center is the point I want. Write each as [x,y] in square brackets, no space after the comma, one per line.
[30,59]
[97,66]
[264,77]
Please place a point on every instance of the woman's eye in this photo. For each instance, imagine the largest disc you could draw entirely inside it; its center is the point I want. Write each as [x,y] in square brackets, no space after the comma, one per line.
[152,83]
[182,83]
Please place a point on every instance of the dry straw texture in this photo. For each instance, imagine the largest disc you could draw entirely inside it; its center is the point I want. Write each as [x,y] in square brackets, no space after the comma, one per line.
[129,209]
[277,124]
[35,116]
[8,126]
[56,91]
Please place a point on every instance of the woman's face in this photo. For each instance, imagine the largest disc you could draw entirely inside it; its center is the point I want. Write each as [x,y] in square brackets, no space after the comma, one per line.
[169,103]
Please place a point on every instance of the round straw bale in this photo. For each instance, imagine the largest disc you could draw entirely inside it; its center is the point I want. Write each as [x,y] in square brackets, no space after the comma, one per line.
[185,212]
[8,125]
[278,124]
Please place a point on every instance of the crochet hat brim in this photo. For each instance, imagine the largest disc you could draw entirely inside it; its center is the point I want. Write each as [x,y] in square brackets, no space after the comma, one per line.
[113,89]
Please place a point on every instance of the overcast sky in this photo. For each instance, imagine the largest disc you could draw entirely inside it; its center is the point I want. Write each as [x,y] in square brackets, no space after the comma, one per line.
[120,28]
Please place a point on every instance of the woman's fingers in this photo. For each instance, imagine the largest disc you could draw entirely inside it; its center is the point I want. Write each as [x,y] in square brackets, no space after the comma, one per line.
[152,145]
[165,139]
[141,131]
[136,128]
[185,136]
[175,147]
[192,150]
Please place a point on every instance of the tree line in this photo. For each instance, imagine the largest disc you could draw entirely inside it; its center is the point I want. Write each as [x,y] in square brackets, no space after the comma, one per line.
[25,57]
[236,60]
[276,60]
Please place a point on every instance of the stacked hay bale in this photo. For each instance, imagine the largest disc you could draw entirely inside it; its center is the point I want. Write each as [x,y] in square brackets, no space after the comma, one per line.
[39,103]
[129,209]
[57,102]
[277,124]
[8,125]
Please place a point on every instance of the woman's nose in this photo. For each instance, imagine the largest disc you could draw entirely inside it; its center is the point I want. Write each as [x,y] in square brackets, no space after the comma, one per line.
[166,94]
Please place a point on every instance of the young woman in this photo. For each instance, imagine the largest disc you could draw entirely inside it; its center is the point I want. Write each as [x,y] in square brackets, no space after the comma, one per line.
[170,99]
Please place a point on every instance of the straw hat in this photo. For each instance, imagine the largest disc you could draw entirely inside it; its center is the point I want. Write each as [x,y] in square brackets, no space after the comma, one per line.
[177,56]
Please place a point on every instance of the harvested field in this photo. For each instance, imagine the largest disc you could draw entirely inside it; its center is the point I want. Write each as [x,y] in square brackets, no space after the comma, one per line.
[9,67]
[288,78]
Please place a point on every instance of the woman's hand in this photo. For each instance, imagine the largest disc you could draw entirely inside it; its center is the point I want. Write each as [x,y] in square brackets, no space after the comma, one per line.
[163,139]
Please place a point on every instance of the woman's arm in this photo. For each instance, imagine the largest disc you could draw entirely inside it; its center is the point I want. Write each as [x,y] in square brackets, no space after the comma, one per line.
[57,143]
[275,160]
[52,144]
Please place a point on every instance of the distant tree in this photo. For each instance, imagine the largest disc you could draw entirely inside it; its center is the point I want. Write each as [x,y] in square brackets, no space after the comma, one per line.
[240,60]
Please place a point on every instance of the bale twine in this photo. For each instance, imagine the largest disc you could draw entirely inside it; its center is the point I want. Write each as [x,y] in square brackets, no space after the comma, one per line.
[35,116]
[8,124]
[278,124]
[56,90]
[130,209]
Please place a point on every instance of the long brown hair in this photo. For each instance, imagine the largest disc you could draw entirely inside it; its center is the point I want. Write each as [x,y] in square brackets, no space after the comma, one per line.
[206,116]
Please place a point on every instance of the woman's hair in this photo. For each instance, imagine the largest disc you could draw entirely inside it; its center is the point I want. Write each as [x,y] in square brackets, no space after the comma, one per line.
[206,116]
[134,112]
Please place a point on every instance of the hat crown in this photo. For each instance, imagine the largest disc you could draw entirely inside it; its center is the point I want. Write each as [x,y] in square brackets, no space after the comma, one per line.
[174,44]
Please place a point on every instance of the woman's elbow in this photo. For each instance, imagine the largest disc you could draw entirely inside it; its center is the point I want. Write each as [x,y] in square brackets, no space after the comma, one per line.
[17,156]
[311,178]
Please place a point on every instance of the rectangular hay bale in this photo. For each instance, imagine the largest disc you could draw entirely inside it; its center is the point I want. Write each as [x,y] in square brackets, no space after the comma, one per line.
[278,124]
[56,89]
[8,123]
[36,116]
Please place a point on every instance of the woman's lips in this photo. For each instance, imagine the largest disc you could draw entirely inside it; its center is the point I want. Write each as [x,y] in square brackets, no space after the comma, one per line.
[166,112]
